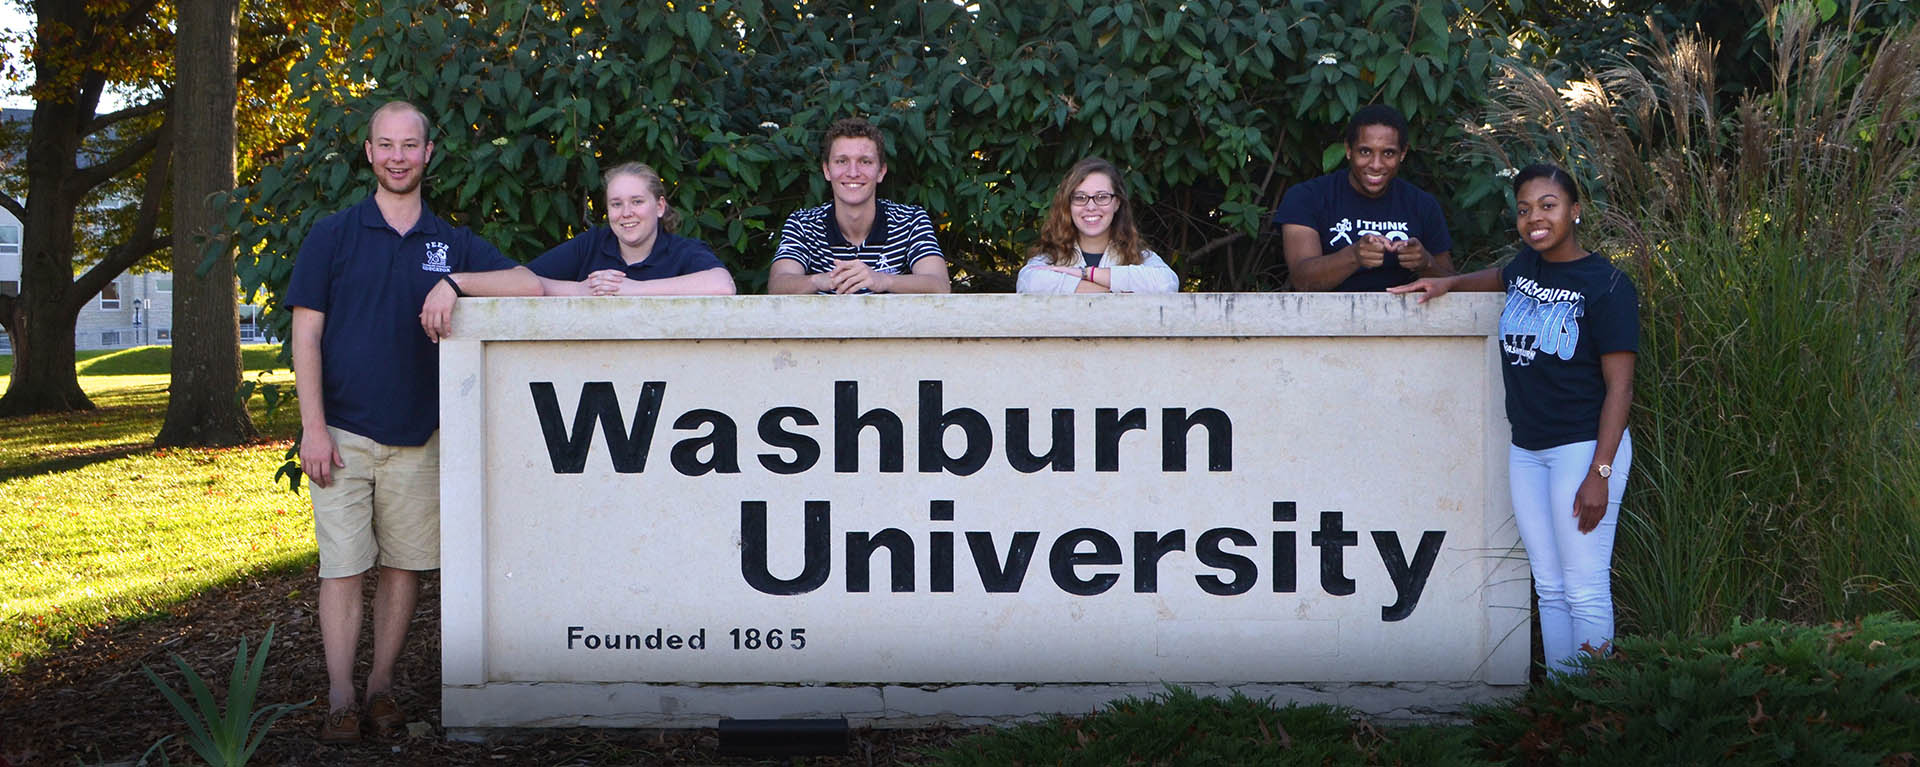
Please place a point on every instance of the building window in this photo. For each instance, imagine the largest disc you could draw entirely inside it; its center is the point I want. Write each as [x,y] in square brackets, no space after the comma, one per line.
[9,287]
[9,240]
[163,284]
[164,334]
[110,297]
[110,338]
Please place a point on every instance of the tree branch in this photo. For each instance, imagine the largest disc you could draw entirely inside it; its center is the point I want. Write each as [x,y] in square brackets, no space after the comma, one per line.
[136,13]
[103,121]
[141,239]
[1215,244]
[287,47]
[13,206]
[92,84]
[104,171]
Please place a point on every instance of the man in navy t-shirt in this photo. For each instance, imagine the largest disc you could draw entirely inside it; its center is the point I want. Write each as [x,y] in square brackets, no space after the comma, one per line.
[1364,228]
[372,291]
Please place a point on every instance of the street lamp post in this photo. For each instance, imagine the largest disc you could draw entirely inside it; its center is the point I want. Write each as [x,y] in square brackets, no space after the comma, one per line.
[139,312]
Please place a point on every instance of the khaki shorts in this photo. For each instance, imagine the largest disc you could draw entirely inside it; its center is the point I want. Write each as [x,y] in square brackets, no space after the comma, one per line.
[383,506]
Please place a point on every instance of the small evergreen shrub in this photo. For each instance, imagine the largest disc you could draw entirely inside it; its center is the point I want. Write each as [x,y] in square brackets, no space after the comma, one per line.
[1179,727]
[1761,693]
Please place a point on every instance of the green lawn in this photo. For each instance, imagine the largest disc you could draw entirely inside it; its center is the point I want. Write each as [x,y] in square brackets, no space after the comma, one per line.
[80,357]
[96,525]
[149,359]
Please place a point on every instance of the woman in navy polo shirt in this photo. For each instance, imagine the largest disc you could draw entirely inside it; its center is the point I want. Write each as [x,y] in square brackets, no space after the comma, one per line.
[1089,243]
[636,253]
[1568,337]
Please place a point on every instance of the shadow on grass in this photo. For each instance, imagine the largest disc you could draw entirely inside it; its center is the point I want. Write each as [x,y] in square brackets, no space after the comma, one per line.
[69,462]
[61,640]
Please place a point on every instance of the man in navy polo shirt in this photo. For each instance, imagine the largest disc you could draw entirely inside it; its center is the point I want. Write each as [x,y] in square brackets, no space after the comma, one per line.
[1364,228]
[857,242]
[636,253]
[372,291]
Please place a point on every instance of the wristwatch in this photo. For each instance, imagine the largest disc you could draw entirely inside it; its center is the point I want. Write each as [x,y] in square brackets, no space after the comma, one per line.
[1606,470]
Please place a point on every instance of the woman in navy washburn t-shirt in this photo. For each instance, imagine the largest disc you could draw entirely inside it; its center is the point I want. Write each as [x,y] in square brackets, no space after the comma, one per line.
[1568,337]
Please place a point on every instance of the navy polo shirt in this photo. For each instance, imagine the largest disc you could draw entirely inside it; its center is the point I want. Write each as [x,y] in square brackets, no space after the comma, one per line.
[597,249]
[380,373]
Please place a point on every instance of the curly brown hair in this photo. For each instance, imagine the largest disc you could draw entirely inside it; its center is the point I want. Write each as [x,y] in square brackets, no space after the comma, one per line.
[853,127]
[1060,241]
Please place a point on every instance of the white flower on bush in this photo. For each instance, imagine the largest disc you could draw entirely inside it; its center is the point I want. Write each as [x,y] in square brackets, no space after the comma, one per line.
[1507,172]
[1327,60]
[770,125]
[502,141]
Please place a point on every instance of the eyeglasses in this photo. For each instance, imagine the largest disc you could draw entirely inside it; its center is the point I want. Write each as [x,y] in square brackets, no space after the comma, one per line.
[1102,199]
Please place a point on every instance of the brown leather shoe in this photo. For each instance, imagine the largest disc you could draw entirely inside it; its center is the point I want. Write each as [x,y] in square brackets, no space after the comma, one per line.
[342,725]
[383,712]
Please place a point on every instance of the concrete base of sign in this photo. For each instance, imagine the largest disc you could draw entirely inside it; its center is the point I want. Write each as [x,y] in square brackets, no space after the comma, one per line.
[650,706]
[915,510]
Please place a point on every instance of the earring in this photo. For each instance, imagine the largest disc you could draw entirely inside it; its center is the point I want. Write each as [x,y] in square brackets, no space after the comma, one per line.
[1576,219]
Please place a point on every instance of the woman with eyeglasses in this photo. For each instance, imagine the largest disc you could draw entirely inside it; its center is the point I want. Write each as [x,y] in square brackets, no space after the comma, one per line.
[1089,243]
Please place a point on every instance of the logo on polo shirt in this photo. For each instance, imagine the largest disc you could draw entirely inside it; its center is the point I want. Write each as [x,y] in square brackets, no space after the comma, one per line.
[436,258]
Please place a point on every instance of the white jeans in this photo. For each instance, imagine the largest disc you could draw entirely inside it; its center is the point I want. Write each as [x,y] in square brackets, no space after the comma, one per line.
[1572,571]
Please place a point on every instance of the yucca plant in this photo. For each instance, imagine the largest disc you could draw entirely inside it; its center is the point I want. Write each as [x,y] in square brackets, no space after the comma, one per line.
[1775,239]
[225,737]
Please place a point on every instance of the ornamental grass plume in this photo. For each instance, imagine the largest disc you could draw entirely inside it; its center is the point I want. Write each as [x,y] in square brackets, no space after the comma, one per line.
[1773,236]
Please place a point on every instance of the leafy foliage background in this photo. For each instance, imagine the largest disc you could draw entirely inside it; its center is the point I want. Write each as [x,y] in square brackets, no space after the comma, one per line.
[1214,106]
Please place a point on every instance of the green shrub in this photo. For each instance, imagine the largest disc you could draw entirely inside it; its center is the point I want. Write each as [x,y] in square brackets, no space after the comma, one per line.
[1178,727]
[1760,693]
[1214,105]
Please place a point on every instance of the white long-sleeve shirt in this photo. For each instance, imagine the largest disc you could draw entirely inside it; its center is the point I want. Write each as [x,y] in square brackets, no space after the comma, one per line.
[1152,275]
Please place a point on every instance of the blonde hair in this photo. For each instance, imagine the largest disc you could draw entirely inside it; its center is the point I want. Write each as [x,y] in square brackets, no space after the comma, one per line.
[647,175]
[426,126]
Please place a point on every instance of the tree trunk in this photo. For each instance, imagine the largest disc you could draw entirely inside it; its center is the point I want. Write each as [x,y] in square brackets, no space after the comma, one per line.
[43,379]
[66,95]
[201,406]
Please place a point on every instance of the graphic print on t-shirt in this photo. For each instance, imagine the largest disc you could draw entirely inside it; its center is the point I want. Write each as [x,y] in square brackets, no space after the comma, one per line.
[1540,320]
[1348,229]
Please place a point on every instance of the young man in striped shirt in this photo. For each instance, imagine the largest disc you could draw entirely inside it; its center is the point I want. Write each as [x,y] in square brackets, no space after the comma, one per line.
[857,243]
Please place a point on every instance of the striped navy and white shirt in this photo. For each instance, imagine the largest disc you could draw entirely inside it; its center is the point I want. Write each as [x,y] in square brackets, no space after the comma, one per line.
[902,235]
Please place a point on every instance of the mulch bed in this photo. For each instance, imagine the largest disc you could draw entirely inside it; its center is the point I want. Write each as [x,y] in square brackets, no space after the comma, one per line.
[90,701]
